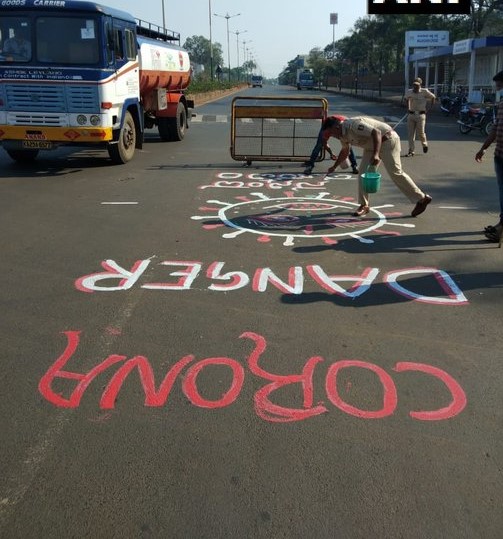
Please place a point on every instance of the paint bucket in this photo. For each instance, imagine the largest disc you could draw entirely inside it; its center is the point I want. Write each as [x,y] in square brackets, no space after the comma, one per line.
[371,180]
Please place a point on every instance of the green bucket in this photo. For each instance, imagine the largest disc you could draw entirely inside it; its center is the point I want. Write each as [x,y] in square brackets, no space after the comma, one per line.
[371,180]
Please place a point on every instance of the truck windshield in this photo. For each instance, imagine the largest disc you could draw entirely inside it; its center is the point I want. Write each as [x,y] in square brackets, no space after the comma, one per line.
[48,39]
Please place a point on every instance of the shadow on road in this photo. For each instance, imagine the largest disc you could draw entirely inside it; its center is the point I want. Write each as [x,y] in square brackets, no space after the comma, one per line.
[379,293]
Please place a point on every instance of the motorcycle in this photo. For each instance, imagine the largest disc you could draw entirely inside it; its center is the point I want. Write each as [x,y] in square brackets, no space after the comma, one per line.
[481,117]
[451,104]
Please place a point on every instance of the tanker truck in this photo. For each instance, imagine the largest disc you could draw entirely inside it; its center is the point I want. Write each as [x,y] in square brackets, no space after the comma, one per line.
[77,73]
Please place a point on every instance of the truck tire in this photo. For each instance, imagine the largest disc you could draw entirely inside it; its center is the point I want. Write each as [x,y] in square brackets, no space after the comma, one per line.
[23,156]
[173,129]
[178,124]
[123,150]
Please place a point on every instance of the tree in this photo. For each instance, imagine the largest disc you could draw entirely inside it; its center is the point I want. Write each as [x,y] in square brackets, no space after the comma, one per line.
[199,51]
[318,63]
[377,45]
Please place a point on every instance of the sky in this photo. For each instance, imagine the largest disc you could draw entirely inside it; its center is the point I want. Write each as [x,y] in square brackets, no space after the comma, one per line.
[274,31]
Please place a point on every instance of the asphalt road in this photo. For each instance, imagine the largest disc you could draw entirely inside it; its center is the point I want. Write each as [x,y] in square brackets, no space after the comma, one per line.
[195,349]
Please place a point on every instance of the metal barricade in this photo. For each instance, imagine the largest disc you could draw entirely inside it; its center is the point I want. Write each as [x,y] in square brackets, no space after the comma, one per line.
[276,128]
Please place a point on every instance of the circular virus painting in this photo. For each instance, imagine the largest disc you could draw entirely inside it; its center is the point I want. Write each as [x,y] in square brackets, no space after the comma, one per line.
[292,217]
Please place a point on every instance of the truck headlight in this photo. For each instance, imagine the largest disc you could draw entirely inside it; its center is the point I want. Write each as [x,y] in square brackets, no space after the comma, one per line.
[95,119]
[81,119]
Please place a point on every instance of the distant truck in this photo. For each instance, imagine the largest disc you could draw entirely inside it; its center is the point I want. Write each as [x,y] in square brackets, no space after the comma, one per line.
[90,76]
[256,80]
[305,79]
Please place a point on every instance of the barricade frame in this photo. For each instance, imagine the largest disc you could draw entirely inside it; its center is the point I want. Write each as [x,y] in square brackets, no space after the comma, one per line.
[279,109]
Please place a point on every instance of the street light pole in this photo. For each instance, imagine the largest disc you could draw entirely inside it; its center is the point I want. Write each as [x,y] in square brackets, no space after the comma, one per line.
[227,17]
[237,32]
[245,59]
[163,17]
[211,42]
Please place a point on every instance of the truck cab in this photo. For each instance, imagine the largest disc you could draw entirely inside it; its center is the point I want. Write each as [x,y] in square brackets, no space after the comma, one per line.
[305,79]
[77,73]
[256,80]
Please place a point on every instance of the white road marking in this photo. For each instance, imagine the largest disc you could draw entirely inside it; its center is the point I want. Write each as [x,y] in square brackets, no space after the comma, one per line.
[119,203]
[457,208]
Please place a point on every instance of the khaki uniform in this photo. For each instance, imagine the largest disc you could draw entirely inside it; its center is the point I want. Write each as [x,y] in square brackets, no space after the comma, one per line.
[358,132]
[416,121]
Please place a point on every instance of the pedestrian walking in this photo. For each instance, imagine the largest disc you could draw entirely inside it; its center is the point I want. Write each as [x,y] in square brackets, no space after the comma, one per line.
[322,142]
[494,232]
[380,143]
[419,102]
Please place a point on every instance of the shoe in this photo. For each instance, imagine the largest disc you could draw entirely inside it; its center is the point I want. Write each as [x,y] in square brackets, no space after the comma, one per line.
[308,170]
[410,154]
[355,170]
[493,233]
[491,228]
[493,237]
[425,149]
[421,206]
[362,210]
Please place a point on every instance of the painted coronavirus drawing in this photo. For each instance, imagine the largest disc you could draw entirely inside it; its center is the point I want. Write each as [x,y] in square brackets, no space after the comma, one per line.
[295,216]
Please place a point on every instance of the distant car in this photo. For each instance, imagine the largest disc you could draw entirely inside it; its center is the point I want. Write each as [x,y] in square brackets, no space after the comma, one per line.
[256,80]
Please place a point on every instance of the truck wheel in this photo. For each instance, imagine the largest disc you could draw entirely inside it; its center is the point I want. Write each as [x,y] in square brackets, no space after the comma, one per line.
[23,156]
[178,124]
[123,150]
[173,129]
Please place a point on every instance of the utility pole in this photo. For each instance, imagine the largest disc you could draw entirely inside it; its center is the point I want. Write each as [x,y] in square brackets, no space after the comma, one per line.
[211,41]
[227,17]
[237,32]
[333,21]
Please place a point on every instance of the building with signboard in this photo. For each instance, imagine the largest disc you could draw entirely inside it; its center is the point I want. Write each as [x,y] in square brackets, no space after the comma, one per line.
[469,64]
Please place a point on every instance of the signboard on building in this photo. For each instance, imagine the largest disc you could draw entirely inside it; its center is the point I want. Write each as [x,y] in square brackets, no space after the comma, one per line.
[461,47]
[427,38]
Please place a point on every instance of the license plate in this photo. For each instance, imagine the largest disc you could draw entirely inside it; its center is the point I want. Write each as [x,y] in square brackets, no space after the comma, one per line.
[38,144]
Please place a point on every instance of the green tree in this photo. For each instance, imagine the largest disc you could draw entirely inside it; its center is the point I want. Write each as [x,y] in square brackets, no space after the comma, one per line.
[377,42]
[318,63]
[199,51]
[289,73]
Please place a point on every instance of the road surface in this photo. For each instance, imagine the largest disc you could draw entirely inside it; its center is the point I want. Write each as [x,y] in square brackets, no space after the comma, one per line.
[197,349]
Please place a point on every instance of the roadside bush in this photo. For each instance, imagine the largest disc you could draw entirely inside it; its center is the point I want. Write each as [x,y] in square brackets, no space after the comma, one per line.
[203,86]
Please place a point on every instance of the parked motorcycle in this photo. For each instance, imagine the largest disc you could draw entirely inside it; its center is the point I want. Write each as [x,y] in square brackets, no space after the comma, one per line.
[481,117]
[452,104]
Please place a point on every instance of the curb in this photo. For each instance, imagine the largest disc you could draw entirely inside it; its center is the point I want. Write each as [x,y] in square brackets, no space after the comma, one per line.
[208,97]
